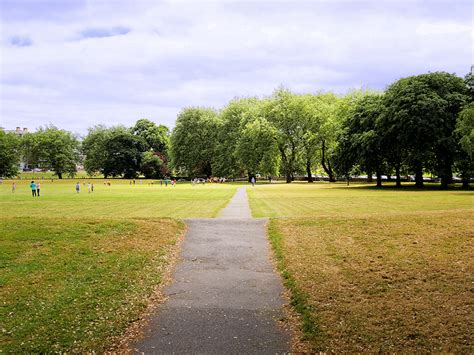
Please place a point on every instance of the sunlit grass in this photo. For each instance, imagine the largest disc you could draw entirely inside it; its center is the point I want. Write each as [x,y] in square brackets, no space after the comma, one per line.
[318,200]
[375,270]
[119,200]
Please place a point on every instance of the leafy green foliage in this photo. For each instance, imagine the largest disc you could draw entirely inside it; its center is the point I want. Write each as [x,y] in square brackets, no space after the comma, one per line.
[9,154]
[124,153]
[234,116]
[257,148]
[54,149]
[421,114]
[361,139]
[465,128]
[156,137]
[152,165]
[194,141]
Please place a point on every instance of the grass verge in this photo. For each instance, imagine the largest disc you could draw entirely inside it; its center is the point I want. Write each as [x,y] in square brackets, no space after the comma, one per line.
[299,300]
[72,285]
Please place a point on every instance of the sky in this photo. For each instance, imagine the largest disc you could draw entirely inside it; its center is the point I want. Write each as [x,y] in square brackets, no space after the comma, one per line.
[79,63]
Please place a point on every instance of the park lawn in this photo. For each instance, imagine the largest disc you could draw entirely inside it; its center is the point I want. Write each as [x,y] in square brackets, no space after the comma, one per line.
[325,199]
[74,284]
[119,200]
[364,279]
[77,269]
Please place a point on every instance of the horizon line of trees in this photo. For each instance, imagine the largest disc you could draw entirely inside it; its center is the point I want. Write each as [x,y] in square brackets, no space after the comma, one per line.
[420,124]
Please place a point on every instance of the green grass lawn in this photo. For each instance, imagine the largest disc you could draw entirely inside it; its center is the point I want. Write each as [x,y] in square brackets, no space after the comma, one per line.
[375,270]
[369,269]
[324,199]
[119,200]
[77,269]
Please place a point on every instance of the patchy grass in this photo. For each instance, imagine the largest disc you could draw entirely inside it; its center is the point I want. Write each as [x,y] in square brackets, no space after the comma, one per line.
[395,279]
[71,285]
[120,200]
[77,269]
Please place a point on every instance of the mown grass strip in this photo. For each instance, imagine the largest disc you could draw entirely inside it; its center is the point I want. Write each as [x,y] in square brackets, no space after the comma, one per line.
[299,300]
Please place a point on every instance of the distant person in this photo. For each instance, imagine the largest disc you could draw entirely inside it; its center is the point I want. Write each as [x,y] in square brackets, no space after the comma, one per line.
[13,187]
[92,187]
[252,180]
[78,187]
[89,187]
[38,187]
[166,182]
[33,188]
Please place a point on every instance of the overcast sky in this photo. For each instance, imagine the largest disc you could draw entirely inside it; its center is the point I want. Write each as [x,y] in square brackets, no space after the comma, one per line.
[77,63]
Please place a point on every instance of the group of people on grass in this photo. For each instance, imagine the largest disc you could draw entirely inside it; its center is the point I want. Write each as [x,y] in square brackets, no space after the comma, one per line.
[35,188]
[90,187]
[212,179]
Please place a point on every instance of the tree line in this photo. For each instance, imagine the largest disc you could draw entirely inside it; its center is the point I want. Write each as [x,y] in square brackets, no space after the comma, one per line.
[420,124]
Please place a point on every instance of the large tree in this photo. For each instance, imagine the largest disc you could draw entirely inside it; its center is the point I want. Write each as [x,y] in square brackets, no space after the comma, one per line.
[194,141]
[333,110]
[9,154]
[113,151]
[421,113]
[360,139]
[55,149]
[156,137]
[93,147]
[124,153]
[257,148]
[233,118]
[284,112]
[314,115]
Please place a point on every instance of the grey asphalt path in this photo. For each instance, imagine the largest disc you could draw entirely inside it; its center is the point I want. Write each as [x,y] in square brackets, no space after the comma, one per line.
[225,297]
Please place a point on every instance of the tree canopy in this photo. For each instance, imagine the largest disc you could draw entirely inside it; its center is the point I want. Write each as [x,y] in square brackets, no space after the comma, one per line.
[420,124]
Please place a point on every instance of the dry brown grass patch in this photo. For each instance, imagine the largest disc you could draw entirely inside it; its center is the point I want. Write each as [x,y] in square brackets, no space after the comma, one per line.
[400,283]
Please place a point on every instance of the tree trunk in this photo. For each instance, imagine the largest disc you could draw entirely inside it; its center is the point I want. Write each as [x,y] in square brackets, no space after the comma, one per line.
[286,165]
[308,171]
[379,177]
[465,183]
[397,172]
[60,175]
[447,174]
[418,174]
[327,168]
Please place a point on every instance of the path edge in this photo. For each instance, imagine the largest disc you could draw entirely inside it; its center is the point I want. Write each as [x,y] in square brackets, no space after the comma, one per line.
[292,321]
[124,344]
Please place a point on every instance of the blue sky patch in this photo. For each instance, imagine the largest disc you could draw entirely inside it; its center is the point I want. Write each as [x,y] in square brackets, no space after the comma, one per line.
[20,41]
[104,32]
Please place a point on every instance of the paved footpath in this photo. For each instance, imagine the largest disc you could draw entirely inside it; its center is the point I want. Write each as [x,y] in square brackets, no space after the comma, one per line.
[225,297]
